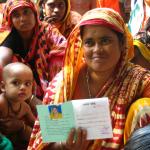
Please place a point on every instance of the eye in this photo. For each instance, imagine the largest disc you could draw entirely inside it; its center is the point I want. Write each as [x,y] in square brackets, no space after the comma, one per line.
[61,5]
[27,11]
[15,14]
[105,41]
[88,42]
[28,83]
[16,83]
[51,5]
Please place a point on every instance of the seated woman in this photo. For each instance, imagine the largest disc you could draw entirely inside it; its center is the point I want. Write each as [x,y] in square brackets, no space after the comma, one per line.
[142,47]
[97,65]
[58,12]
[32,42]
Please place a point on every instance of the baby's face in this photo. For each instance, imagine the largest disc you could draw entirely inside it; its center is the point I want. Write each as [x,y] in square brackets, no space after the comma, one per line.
[18,85]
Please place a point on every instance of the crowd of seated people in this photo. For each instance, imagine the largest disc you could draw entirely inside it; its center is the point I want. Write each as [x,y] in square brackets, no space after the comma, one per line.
[52,51]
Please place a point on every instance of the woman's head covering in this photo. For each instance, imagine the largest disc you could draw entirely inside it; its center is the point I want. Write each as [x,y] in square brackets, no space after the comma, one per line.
[74,53]
[12,5]
[68,8]
[70,19]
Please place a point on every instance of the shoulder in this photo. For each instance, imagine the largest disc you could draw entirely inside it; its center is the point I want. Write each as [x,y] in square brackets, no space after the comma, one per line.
[11,37]
[75,17]
[137,69]
[138,72]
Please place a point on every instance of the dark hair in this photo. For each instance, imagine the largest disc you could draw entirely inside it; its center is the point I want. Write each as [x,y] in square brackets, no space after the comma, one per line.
[139,140]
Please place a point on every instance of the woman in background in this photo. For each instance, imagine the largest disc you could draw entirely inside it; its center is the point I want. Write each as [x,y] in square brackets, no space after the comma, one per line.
[139,15]
[58,13]
[32,42]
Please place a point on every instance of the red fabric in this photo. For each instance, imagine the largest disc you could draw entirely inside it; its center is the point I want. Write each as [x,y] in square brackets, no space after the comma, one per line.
[114,4]
[100,22]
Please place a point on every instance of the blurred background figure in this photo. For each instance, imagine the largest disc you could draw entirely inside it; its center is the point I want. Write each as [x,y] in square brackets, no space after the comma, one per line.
[58,13]
[126,9]
[115,4]
[140,12]
[142,47]
[82,6]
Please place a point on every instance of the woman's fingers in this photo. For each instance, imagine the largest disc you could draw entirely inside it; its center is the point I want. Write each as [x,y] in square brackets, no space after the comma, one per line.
[70,139]
[82,141]
[79,137]
[79,142]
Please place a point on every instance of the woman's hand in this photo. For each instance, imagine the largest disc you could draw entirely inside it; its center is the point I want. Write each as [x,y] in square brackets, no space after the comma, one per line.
[49,19]
[11,125]
[80,142]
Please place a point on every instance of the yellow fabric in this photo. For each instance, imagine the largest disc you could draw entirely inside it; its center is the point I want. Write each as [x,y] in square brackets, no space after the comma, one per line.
[136,111]
[143,49]
[68,10]
[3,35]
[53,116]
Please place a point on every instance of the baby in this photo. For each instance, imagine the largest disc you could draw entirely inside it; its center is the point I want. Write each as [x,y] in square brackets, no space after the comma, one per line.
[16,87]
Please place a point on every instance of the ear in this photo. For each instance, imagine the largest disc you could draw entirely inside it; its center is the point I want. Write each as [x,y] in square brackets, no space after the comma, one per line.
[2,86]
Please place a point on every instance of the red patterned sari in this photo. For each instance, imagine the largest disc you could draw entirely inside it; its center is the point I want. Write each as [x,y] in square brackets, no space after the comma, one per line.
[128,84]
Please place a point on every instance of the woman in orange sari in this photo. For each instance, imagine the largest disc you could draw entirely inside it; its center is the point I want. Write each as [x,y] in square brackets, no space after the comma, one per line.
[58,13]
[31,42]
[109,4]
[97,65]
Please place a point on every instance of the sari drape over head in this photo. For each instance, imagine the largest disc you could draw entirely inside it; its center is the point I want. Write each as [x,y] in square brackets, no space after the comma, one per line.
[128,84]
[69,21]
[47,45]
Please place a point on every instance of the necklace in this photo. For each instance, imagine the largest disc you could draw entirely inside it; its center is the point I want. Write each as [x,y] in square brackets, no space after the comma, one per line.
[87,82]
[12,110]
